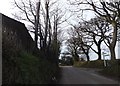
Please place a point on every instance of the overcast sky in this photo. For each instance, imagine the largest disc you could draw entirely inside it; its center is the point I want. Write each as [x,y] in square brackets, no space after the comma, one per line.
[6,8]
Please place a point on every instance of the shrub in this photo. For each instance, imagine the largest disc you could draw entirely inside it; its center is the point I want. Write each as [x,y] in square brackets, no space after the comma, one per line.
[21,67]
[113,69]
[30,70]
[90,64]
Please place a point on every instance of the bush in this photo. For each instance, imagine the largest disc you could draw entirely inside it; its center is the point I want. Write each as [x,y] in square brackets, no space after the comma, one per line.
[113,69]
[30,70]
[90,64]
[21,67]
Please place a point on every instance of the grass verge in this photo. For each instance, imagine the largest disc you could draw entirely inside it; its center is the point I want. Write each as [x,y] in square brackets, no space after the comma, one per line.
[111,70]
[28,69]
[89,64]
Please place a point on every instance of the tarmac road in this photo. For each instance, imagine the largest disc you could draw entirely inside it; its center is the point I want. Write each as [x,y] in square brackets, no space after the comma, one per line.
[73,75]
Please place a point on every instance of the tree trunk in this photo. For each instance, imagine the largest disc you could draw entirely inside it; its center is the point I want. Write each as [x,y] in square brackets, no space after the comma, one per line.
[114,40]
[36,24]
[76,56]
[99,52]
[86,52]
[46,25]
[112,52]
[88,58]
[36,39]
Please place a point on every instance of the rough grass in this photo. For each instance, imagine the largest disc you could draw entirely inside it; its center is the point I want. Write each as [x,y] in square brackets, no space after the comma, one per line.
[20,67]
[112,69]
[36,70]
[89,64]
[30,70]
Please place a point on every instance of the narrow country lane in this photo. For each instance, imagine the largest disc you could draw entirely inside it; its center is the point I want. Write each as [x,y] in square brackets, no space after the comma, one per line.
[72,75]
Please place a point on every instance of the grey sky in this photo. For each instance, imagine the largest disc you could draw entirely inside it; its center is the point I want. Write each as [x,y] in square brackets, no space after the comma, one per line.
[7,8]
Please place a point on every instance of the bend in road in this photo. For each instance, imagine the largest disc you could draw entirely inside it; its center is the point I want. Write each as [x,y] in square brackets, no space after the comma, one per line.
[72,75]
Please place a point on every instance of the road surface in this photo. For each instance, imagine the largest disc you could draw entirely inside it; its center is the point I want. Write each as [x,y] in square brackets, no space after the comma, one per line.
[72,75]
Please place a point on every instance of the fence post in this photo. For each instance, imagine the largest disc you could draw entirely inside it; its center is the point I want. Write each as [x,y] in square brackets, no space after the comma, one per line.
[104,60]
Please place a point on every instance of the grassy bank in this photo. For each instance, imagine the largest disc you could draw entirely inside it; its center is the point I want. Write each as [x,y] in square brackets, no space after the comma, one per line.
[35,69]
[21,67]
[111,70]
[28,69]
[89,64]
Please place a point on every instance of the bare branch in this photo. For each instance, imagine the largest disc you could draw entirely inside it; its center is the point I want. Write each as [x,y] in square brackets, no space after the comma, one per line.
[24,10]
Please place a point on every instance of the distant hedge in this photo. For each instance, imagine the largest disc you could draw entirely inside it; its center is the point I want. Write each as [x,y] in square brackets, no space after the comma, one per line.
[90,64]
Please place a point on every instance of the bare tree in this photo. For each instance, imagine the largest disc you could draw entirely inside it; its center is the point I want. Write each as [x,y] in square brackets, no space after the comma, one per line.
[73,48]
[45,17]
[112,15]
[85,42]
[32,15]
[91,32]
[110,11]
[97,29]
